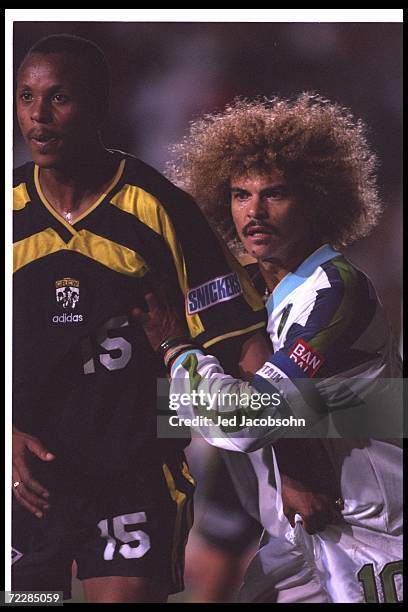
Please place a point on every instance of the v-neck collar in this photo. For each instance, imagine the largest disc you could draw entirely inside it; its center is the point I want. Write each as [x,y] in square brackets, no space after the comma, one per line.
[292,280]
[60,218]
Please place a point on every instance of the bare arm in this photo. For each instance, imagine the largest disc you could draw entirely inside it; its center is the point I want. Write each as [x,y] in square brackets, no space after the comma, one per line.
[255,351]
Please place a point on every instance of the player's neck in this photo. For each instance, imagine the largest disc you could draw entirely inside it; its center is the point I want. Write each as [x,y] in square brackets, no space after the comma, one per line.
[274,270]
[76,186]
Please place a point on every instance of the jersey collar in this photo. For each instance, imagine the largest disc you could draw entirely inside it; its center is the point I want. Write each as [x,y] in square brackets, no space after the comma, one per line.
[70,227]
[294,279]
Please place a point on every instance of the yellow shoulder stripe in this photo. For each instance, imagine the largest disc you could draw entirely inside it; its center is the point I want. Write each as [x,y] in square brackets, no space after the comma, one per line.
[151,212]
[110,254]
[36,246]
[20,197]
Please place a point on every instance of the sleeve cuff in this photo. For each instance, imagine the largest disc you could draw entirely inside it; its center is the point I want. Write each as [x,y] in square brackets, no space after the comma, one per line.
[182,357]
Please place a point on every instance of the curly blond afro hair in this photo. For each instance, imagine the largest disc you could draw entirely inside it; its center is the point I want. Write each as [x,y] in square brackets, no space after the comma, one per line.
[318,145]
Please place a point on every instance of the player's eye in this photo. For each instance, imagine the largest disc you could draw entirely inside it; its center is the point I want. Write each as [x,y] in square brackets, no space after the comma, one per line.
[241,196]
[278,193]
[26,96]
[60,98]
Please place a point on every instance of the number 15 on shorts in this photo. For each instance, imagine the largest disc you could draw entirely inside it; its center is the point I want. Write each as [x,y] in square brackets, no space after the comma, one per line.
[119,541]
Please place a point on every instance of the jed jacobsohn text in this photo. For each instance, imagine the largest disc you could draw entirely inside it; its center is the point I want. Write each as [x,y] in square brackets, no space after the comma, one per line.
[236,421]
[210,401]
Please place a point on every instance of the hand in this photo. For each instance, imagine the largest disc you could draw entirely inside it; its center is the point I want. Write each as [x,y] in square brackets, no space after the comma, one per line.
[161,321]
[29,493]
[254,353]
[316,509]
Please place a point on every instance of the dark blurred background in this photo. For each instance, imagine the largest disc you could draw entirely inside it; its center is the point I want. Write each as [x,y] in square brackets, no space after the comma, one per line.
[166,74]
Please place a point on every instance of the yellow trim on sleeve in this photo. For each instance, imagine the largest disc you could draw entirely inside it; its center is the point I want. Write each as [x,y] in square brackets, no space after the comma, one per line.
[186,473]
[239,332]
[20,197]
[150,211]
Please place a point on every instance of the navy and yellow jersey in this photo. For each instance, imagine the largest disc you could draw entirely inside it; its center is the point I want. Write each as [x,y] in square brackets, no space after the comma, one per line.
[84,373]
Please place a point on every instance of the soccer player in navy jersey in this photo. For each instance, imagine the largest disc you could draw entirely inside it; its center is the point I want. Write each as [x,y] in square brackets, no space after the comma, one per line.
[94,228]
[292,182]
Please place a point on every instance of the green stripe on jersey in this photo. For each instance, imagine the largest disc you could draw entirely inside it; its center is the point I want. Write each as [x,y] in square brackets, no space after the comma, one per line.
[344,313]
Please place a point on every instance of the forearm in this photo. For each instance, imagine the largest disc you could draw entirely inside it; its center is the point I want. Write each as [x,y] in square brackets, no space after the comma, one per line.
[306,460]
[228,412]
[242,356]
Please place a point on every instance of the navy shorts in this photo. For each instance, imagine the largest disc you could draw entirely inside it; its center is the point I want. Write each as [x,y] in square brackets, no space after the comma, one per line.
[132,523]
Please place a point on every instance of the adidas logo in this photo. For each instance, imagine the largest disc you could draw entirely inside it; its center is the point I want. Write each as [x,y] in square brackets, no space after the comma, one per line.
[67,318]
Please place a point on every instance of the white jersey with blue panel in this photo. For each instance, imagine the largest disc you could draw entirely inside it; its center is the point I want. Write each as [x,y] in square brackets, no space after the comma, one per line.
[332,346]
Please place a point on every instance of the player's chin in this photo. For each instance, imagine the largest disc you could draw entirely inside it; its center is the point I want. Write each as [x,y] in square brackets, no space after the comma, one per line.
[45,161]
[260,249]
[48,156]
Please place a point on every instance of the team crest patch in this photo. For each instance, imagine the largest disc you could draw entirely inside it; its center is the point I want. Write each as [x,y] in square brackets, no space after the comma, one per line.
[67,296]
[15,555]
[215,291]
[67,293]
[306,357]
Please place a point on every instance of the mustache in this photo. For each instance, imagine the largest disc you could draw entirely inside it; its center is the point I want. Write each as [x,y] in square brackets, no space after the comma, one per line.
[260,224]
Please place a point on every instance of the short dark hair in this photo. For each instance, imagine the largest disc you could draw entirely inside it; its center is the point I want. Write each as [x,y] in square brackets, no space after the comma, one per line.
[92,60]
